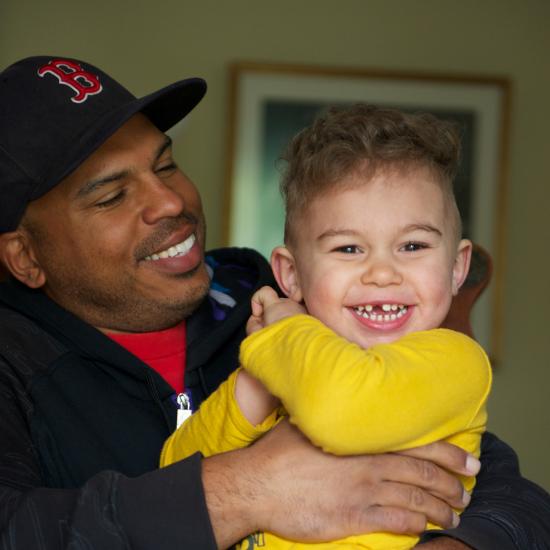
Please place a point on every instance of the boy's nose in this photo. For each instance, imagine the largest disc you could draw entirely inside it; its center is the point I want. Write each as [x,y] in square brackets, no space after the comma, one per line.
[381,272]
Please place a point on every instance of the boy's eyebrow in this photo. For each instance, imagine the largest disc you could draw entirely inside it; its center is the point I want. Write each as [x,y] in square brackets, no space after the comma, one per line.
[422,227]
[407,229]
[337,233]
[92,185]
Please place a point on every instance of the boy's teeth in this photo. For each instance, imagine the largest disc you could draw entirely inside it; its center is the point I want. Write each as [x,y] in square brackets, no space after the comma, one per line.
[177,250]
[366,311]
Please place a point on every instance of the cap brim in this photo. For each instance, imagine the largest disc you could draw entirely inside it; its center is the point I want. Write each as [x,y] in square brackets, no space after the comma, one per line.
[164,108]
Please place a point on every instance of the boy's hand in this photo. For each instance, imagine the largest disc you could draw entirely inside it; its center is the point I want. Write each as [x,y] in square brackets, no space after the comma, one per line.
[268,308]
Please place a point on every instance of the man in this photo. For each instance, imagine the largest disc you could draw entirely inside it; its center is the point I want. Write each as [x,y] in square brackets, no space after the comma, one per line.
[109,296]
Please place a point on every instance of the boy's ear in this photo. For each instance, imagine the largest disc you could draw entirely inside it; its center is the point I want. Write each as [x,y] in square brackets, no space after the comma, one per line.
[461,265]
[17,256]
[284,269]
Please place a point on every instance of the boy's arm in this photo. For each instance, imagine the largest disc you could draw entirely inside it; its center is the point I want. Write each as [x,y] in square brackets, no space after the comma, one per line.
[348,400]
[218,426]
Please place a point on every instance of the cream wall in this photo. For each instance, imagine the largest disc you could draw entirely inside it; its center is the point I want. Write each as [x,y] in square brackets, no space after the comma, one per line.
[148,44]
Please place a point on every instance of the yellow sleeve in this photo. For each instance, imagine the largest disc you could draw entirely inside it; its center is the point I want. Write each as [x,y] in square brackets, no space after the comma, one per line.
[217,426]
[424,387]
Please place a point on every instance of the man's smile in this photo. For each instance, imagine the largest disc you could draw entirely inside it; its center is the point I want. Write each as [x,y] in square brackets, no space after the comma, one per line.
[179,249]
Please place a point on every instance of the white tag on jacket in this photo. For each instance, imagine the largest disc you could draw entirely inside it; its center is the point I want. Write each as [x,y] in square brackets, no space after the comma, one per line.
[184,409]
[182,416]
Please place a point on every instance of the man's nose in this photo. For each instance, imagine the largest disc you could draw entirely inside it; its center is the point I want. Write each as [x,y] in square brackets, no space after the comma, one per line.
[161,201]
[381,271]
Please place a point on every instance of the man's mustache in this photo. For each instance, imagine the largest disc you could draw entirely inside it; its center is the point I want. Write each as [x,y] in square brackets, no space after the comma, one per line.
[165,228]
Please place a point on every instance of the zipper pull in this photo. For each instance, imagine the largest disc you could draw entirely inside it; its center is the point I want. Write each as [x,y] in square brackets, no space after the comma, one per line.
[184,408]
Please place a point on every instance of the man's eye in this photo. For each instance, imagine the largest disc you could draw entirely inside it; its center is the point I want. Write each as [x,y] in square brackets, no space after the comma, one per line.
[111,201]
[348,249]
[413,246]
[167,169]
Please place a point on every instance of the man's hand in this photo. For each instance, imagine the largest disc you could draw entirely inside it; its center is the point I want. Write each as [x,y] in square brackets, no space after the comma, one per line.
[450,458]
[285,485]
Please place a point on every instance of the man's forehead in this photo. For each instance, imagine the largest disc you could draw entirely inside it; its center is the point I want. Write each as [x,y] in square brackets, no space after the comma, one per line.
[137,140]
[129,136]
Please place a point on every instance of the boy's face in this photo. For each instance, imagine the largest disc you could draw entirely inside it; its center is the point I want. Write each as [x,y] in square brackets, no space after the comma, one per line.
[378,259]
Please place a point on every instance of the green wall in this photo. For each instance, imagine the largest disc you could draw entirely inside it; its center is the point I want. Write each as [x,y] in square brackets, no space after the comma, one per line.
[149,44]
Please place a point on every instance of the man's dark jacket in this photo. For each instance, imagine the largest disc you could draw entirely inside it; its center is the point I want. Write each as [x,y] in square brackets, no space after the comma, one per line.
[82,422]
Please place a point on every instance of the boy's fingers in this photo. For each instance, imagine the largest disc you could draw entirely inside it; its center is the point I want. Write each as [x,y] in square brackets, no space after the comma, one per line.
[257,308]
[254,324]
[265,296]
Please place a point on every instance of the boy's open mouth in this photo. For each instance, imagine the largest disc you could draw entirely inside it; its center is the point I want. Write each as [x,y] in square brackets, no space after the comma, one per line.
[381,312]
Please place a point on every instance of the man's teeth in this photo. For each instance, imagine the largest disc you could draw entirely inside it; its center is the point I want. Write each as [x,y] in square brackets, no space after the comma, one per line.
[391,312]
[177,250]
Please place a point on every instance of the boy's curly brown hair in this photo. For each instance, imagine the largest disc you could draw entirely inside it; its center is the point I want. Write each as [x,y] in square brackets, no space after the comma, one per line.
[367,139]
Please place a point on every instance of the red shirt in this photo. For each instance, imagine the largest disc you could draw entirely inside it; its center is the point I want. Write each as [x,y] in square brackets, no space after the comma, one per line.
[163,351]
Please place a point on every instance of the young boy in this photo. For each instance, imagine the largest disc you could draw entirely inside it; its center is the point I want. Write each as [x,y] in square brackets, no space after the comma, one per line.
[374,254]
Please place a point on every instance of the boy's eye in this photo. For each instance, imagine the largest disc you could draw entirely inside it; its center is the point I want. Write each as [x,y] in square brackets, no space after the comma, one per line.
[348,249]
[413,246]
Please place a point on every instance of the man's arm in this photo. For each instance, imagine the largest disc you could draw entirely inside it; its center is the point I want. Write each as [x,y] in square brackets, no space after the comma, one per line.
[161,509]
[284,485]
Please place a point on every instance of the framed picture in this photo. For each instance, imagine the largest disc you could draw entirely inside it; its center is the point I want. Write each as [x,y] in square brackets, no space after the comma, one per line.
[269,104]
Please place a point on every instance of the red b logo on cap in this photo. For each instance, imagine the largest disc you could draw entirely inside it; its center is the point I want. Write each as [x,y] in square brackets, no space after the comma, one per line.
[73,75]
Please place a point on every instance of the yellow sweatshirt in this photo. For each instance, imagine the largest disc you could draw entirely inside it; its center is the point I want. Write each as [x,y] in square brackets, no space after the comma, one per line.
[427,386]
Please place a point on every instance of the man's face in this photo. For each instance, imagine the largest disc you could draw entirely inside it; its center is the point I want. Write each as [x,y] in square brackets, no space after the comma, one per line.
[121,240]
[379,259]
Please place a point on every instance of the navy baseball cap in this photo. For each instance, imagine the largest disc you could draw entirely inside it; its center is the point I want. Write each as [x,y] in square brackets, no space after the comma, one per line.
[56,111]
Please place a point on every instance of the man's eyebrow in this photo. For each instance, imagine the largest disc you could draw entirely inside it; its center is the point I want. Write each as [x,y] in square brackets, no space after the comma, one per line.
[92,185]
[166,144]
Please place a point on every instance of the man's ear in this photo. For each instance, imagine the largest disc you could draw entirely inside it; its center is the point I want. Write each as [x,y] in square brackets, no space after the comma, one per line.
[462,264]
[284,269]
[17,256]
